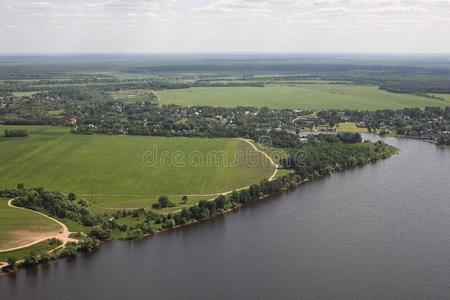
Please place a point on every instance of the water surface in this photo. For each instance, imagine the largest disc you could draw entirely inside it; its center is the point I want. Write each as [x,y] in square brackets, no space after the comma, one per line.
[377,232]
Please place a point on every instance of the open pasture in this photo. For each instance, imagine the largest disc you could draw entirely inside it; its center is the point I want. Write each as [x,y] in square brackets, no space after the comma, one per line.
[299,96]
[20,227]
[129,171]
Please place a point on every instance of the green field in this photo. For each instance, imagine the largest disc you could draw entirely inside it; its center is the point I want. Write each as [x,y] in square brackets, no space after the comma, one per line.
[299,96]
[133,96]
[350,127]
[112,170]
[22,94]
[19,227]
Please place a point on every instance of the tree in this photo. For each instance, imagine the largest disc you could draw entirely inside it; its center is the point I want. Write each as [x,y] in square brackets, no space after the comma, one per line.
[30,260]
[100,233]
[220,201]
[72,196]
[135,234]
[184,199]
[70,250]
[12,262]
[169,223]
[234,197]
[165,202]
[44,257]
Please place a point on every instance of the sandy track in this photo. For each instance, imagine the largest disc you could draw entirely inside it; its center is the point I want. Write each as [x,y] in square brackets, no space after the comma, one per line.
[63,235]
[264,154]
[271,178]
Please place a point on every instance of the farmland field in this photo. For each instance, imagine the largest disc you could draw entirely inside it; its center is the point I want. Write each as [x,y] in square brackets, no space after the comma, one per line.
[299,96]
[19,227]
[128,171]
[350,127]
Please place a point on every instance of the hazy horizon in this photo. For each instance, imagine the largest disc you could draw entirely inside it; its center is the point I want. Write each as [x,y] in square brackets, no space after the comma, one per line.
[230,53]
[224,26]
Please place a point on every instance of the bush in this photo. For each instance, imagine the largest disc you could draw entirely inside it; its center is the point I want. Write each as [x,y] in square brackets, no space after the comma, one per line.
[135,234]
[163,202]
[100,233]
[16,133]
[70,250]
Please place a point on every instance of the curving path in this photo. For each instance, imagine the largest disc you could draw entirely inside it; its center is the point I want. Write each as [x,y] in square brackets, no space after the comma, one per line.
[63,235]
[246,187]
[264,154]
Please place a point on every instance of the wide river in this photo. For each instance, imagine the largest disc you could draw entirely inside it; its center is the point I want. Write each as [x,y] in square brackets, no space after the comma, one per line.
[377,232]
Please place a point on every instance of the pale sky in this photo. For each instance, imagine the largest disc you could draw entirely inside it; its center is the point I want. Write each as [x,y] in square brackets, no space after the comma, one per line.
[411,26]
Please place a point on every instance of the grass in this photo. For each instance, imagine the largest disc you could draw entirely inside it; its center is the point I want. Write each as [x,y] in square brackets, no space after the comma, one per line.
[299,96]
[56,112]
[20,254]
[350,127]
[108,204]
[133,96]
[19,227]
[23,94]
[75,226]
[111,169]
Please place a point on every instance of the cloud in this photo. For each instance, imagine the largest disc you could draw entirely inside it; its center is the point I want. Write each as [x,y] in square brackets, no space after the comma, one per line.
[214,23]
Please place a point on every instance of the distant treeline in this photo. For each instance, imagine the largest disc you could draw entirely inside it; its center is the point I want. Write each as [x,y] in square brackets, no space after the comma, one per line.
[115,85]
[267,68]
[441,86]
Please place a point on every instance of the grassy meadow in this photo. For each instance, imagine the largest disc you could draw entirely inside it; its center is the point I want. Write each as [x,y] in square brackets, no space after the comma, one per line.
[299,96]
[19,227]
[133,96]
[350,127]
[128,171]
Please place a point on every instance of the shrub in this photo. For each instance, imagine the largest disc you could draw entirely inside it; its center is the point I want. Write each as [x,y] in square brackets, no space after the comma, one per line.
[16,133]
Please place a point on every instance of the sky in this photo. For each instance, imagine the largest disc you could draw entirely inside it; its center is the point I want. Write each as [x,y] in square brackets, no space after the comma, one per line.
[192,26]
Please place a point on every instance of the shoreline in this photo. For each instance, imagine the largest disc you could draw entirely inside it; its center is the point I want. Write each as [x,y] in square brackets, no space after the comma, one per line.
[177,227]
[238,205]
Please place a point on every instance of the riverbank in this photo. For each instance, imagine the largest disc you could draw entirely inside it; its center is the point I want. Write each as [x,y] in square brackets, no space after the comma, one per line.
[337,155]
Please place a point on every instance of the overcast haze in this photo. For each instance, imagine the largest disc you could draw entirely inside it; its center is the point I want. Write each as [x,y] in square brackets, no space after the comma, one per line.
[225,25]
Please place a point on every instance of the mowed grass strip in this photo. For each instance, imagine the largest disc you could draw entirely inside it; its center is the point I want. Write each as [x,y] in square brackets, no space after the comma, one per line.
[299,96]
[120,167]
[20,227]
[108,204]
[44,246]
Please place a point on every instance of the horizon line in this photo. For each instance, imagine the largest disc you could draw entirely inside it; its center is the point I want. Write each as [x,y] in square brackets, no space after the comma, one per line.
[61,53]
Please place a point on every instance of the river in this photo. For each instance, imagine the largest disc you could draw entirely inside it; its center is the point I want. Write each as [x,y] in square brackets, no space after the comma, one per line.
[377,232]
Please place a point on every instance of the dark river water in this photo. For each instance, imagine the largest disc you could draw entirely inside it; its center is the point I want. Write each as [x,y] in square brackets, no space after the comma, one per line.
[377,232]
